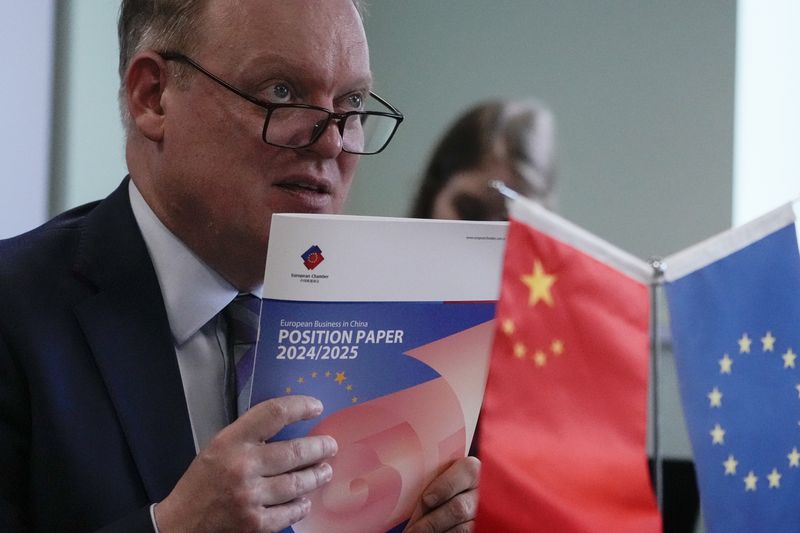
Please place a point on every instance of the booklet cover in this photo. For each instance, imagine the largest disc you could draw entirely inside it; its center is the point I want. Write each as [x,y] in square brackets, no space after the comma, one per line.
[389,322]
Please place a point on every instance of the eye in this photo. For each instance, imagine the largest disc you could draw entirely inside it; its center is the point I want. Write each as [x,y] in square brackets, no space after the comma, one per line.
[354,102]
[279,93]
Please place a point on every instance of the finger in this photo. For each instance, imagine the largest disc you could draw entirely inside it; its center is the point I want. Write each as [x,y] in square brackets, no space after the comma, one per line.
[267,418]
[456,514]
[292,485]
[279,517]
[462,475]
[288,455]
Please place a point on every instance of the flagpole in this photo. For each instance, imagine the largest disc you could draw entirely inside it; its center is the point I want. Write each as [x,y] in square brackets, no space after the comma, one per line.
[659,267]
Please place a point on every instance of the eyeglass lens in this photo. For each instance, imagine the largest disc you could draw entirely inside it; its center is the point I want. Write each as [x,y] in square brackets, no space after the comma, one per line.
[294,127]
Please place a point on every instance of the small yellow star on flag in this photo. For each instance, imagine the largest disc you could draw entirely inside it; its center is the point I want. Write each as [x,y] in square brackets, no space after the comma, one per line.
[540,358]
[520,350]
[539,282]
[725,364]
[750,481]
[715,398]
[730,465]
[788,358]
[717,435]
[768,342]
[557,346]
[774,479]
[508,326]
[744,344]
[794,458]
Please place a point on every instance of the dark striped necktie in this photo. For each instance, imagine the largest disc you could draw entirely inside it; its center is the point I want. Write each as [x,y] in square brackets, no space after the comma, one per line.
[242,317]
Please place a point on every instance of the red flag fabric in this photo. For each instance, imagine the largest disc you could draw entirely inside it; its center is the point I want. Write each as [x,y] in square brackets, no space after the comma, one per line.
[563,426]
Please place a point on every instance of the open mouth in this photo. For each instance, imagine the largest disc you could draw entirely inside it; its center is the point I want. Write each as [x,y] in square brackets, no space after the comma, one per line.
[306,193]
[305,187]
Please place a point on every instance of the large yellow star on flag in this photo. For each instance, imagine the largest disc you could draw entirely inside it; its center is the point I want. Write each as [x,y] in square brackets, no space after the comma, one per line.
[539,282]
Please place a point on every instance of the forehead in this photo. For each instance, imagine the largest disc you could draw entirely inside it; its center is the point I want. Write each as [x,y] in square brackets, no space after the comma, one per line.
[323,40]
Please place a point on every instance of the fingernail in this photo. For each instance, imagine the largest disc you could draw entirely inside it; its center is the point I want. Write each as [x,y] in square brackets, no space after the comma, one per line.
[430,499]
[332,446]
[316,407]
[327,471]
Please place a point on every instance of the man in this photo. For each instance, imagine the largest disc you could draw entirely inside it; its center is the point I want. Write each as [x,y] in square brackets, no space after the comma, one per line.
[101,426]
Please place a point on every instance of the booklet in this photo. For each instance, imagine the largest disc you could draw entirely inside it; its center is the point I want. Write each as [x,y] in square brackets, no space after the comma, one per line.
[389,322]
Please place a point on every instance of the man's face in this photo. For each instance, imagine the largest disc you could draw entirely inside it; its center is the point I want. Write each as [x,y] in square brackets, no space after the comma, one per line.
[217,182]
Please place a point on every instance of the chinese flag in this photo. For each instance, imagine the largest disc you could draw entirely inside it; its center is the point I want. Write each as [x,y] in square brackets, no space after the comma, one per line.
[562,435]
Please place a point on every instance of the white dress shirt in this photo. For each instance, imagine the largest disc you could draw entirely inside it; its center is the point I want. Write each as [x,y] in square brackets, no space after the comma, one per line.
[194,294]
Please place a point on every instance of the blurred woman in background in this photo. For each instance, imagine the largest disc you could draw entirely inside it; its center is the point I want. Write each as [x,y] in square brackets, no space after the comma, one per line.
[508,140]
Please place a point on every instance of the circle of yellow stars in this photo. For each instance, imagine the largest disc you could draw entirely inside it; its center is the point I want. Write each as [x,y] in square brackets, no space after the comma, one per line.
[338,377]
[539,284]
[717,433]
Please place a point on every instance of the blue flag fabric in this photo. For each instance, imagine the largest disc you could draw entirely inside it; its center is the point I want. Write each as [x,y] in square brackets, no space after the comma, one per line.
[736,339]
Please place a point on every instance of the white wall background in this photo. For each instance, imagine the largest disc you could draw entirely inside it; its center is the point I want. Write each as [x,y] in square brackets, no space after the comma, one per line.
[767,149]
[643,92]
[88,150]
[26,38]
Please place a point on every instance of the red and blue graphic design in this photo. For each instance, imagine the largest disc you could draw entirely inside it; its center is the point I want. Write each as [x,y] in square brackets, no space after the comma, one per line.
[312,257]
[401,384]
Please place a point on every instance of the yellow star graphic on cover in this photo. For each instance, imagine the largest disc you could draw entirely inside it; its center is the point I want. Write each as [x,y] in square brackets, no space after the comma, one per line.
[539,282]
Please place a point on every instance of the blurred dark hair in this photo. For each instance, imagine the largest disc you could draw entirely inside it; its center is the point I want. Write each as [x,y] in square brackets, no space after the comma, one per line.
[518,132]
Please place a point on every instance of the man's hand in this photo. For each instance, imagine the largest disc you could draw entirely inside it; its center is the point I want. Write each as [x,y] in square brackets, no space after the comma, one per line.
[242,483]
[450,502]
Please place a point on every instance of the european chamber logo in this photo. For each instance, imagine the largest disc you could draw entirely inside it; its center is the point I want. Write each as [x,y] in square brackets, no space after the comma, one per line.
[312,257]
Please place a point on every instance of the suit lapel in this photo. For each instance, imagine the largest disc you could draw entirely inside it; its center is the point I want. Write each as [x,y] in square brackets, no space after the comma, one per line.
[126,325]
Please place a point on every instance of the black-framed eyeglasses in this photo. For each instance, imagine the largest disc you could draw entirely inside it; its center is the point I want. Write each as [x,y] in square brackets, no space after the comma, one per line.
[301,125]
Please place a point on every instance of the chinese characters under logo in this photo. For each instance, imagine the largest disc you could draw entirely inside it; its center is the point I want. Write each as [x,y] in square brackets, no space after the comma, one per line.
[312,257]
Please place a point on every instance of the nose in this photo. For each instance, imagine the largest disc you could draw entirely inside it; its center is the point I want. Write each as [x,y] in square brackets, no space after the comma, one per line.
[329,142]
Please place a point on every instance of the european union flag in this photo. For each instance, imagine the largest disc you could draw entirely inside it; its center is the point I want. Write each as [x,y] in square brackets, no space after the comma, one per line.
[736,336]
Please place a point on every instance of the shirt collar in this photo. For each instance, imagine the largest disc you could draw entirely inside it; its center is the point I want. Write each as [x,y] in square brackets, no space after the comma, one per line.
[193,292]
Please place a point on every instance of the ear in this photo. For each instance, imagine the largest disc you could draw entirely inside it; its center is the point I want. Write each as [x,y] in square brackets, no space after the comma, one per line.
[145,83]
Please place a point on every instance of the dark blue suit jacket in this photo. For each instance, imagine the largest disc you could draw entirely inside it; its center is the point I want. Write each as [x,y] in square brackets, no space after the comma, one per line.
[93,420]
